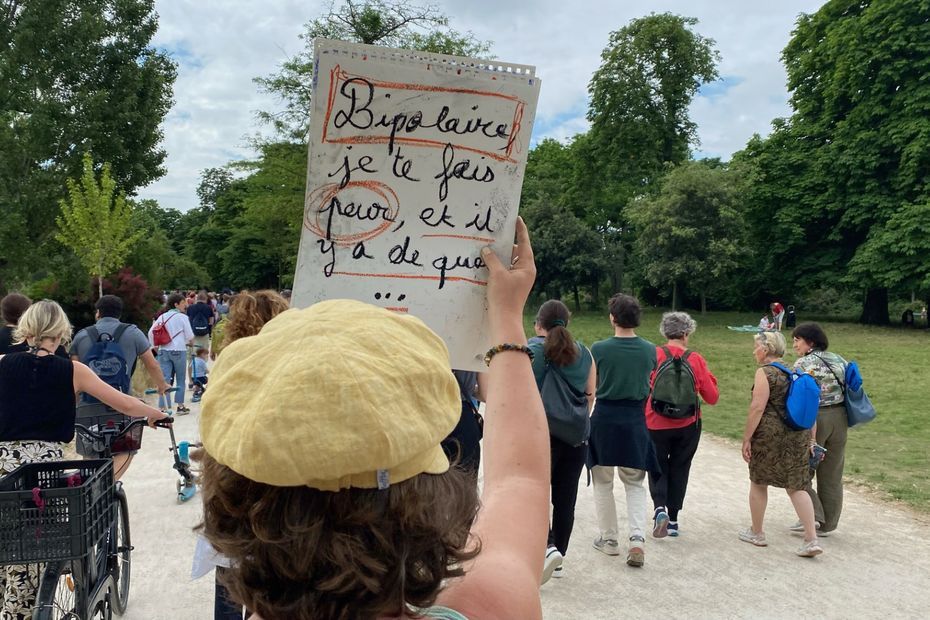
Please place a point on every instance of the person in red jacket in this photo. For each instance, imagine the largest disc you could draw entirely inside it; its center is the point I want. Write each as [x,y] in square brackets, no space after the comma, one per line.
[778,315]
[676,439]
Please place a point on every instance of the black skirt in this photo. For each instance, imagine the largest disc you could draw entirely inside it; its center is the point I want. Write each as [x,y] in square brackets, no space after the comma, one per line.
[619,436]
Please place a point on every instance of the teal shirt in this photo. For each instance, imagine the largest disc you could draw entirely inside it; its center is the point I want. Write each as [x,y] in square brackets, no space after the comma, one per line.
[442,613]
[576,373]
[624,366]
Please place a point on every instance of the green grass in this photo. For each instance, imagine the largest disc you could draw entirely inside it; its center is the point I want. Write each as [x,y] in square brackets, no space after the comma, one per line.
[891,454]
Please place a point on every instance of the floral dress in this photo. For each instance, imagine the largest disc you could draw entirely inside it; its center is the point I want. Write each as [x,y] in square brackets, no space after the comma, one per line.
[779,454]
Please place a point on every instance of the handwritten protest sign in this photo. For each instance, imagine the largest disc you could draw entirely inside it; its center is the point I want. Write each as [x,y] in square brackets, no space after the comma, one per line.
[416,163]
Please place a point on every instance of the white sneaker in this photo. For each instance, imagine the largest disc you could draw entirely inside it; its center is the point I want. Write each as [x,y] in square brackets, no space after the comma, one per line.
[753,538]
[810,549]
[553,561]
[559,572]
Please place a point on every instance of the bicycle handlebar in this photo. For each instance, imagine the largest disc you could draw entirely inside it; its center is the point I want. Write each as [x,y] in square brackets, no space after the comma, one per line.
[171,389]
[163,423]
[105,435]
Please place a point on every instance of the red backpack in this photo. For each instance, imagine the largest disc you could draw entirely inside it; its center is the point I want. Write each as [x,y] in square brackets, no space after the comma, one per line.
[160,334]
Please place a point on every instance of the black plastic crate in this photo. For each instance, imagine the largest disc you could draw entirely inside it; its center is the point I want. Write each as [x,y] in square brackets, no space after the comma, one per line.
[76,499]
[94,448]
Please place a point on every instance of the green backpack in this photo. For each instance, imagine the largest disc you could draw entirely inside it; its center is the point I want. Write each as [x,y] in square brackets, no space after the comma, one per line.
[674,391]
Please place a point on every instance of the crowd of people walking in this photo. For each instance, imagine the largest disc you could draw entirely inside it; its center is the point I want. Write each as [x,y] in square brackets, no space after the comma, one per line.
[359,487]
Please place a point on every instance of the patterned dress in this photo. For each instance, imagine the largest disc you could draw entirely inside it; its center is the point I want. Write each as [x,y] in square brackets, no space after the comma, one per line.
[19,583]
[780,455]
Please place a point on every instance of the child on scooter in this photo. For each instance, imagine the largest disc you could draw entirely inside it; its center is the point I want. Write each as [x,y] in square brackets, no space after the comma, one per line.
[199,373]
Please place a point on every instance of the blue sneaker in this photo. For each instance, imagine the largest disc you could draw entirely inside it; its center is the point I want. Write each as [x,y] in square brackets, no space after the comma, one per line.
[660,529]
[673,529]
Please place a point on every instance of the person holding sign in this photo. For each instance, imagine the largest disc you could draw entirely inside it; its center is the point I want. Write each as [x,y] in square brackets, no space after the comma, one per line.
[363,517]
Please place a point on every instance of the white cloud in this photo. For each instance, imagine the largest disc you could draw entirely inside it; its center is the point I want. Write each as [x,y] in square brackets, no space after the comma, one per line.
[221,45]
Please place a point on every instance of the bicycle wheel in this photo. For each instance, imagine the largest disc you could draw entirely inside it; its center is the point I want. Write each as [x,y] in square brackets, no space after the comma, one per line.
[61,593]
[121,562]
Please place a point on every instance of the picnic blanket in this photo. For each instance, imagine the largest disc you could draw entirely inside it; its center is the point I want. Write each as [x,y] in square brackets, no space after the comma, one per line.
[744,328]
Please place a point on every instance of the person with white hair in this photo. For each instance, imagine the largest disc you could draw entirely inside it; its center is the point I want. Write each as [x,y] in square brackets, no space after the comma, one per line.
[778,456]
[676,427]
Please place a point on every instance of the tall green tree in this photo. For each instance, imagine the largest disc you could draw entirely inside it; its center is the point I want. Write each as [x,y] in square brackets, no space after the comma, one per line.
[95,222]
[75,76]
[650,72]
[858,145]
[375,22]
[692,232]
[570,254]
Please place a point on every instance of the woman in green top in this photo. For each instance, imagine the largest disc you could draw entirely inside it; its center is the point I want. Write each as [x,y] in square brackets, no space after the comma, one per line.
[619,437]
[810,343]
[554,346]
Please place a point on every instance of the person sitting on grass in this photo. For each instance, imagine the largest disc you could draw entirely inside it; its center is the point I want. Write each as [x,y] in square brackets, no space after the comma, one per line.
[324,479]
[765,324]
[199,373]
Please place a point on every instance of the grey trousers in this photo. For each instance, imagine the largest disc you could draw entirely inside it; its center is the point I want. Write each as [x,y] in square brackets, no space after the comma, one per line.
[832,429]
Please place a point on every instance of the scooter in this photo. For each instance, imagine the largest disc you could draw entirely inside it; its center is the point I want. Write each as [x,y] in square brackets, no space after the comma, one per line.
[186,483]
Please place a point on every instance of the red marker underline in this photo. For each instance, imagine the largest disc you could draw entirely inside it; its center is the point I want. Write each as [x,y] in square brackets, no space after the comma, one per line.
[406,276]
[466,237]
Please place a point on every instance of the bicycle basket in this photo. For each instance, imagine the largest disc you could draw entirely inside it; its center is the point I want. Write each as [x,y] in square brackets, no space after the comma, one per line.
[56,510]
[94,448]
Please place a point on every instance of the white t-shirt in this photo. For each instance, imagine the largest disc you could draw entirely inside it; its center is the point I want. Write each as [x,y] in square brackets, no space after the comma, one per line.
[179,328]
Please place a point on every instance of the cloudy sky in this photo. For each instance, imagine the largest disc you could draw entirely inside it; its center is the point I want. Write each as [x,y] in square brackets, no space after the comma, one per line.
[220,45]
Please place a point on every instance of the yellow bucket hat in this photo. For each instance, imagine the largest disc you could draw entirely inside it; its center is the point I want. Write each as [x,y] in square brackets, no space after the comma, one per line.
[341,394]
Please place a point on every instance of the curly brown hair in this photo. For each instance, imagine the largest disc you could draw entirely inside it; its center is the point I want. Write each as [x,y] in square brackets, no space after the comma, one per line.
[303,554]
[249,311]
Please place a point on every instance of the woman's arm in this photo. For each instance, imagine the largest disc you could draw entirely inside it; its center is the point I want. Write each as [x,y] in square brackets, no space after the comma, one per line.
[512,525]
[86,381]
[707,384]
[760,396]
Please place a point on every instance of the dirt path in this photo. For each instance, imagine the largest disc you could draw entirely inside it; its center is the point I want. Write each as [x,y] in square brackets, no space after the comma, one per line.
[876,565]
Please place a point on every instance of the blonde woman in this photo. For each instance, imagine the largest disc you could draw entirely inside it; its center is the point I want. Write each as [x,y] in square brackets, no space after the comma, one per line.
[37,401]
[777,455]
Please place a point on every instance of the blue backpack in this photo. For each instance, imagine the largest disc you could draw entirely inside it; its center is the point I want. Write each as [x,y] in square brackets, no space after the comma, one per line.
[859,408]
[803,399]
[106,359]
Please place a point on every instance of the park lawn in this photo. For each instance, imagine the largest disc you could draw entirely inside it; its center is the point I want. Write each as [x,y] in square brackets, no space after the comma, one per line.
[890,454]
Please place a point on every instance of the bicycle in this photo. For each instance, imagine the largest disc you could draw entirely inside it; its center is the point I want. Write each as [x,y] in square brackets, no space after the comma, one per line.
[72,517]
[186,483]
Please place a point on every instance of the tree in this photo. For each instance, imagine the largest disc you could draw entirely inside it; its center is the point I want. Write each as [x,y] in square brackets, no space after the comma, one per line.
[650,71]
[567,252]
[692,231]
[375,22]
[570,253]
[857,146]
[95,222]
[266,235]
[156,255]
[75,76]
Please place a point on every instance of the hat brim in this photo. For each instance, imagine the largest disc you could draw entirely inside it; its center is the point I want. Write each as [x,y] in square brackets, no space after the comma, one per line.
[433,461]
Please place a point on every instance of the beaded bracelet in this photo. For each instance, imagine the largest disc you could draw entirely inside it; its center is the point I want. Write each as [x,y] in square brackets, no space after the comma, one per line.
[506,347]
